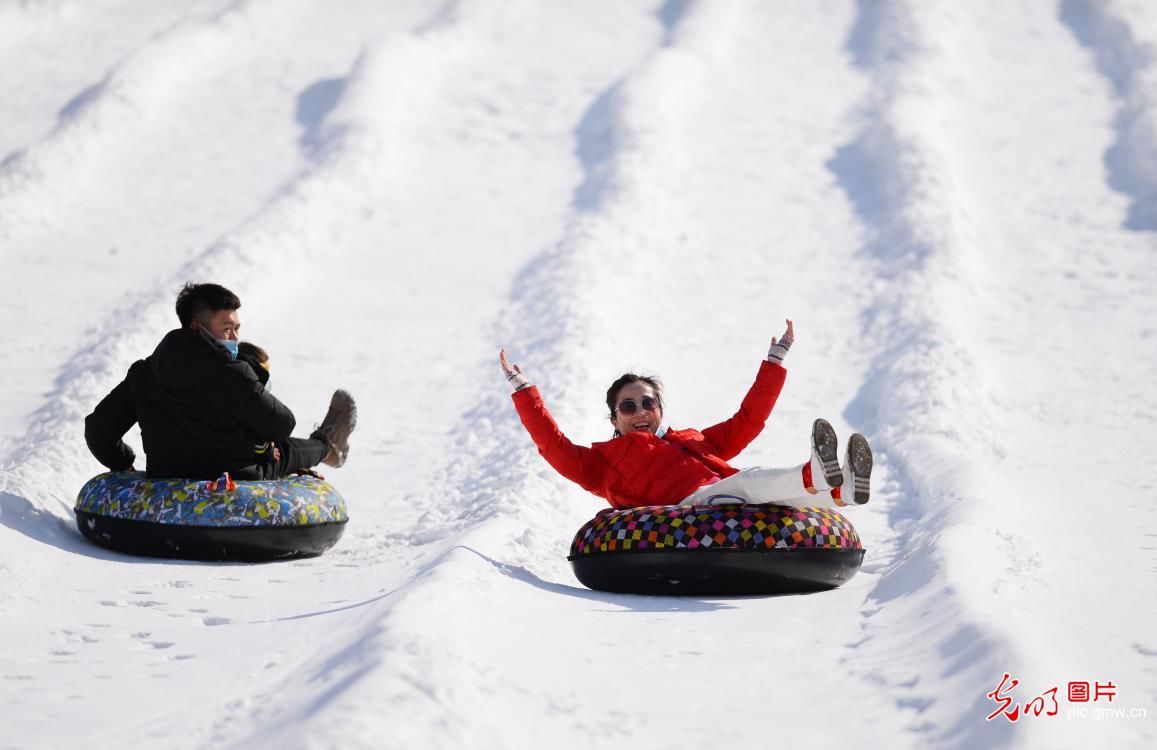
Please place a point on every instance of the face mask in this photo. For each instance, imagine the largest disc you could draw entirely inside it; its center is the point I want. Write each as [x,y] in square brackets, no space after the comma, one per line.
[230,346]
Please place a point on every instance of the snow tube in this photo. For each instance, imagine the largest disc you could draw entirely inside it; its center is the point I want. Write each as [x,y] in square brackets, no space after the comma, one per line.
[716,550]
[297,516]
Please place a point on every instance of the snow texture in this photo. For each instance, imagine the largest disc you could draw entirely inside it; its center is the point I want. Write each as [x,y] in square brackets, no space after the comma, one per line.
[955,202]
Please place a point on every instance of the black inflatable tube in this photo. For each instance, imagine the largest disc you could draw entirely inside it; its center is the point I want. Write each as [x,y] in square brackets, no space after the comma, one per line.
[718,572]
[217,543]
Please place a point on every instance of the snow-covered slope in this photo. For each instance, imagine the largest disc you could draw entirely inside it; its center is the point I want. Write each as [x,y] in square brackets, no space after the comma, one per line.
[954,202]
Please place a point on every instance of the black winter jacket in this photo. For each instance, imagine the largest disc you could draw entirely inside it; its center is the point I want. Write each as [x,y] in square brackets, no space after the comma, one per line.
[199,410]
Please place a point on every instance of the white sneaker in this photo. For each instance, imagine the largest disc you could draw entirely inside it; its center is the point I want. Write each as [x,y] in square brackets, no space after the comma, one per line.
[824,460]
[857,468]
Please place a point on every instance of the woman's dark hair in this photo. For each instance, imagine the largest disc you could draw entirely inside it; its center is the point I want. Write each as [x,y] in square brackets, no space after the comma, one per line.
[627,379]
[196,301]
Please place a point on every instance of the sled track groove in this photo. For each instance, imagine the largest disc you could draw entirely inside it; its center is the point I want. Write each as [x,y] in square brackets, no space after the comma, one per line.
[901,188]
[1130,66]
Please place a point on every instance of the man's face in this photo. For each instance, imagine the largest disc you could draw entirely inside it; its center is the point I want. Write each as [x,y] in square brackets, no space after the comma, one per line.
[223,324]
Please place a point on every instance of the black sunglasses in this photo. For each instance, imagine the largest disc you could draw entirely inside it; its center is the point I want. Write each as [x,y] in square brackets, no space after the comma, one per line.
[628,406]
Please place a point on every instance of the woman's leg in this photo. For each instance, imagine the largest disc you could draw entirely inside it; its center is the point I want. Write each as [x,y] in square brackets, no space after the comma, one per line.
[762,485]
[808,485]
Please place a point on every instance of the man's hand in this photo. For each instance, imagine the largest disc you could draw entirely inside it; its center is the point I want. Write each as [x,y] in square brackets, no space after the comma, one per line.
[780,346]
[513,372]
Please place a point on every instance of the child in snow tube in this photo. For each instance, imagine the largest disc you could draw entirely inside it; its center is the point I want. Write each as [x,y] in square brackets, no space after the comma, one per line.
[646,463]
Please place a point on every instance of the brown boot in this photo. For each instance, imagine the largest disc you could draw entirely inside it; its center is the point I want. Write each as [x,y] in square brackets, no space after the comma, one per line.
[335,429]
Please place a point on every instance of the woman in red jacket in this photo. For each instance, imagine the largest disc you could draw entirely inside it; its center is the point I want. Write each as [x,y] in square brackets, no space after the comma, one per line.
[646,463]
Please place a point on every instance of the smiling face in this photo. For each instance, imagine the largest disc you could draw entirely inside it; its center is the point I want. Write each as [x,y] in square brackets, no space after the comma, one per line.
[642,420]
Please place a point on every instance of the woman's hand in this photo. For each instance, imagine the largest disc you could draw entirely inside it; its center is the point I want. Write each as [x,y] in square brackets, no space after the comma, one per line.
[780,346]
[513,372]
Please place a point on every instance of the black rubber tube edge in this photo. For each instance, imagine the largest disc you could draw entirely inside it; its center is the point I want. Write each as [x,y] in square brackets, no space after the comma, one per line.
[722,572]
[216,543]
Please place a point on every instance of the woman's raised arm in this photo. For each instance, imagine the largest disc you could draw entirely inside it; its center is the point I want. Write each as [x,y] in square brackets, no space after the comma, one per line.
[733,435]
[577,463]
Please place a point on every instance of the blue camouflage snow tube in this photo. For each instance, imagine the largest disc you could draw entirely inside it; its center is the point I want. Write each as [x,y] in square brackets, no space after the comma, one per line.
[716,550]
[217,520]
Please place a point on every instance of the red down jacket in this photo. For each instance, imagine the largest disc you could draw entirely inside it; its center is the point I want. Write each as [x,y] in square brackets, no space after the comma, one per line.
[640,468]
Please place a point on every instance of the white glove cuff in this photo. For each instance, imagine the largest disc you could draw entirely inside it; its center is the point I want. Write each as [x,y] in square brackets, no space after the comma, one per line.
[518,380]
[776,354]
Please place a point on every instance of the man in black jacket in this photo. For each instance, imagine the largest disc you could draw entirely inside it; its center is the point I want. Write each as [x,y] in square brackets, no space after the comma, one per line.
[201,410]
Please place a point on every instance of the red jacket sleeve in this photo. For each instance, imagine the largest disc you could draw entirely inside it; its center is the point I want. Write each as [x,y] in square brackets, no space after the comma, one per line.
[733,435]
[575,462]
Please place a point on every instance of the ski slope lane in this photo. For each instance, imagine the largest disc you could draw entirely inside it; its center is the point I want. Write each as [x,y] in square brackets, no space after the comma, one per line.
[96,36]
[993,231]
[180,140]
[951,202]
[400,190]
[169,620]
[494,644]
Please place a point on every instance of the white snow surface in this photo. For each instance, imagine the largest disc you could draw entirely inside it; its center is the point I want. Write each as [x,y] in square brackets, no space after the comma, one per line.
[955,202]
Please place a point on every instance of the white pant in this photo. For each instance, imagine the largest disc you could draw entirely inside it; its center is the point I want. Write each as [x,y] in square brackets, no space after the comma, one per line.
[763,484]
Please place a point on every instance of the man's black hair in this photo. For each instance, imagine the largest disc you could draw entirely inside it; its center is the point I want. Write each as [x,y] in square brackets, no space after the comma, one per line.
[198,301]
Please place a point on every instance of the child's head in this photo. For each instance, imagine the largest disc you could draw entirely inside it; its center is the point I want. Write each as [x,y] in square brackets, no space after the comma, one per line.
[257,358]
[253,352]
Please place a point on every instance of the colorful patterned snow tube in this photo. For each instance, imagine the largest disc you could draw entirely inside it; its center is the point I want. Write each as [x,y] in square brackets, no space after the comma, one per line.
[716,550]
[221,520]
